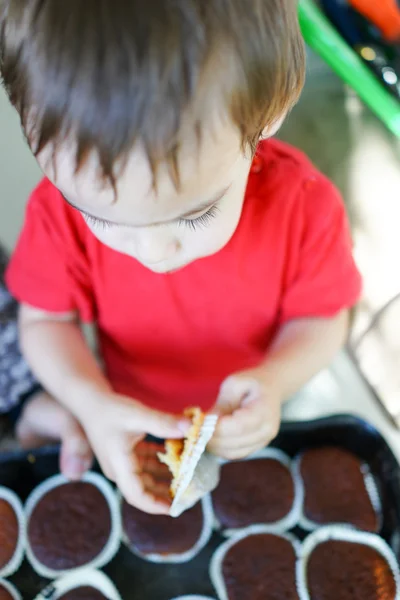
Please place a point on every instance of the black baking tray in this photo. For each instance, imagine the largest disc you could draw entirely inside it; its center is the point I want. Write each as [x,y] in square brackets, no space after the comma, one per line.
[139,580]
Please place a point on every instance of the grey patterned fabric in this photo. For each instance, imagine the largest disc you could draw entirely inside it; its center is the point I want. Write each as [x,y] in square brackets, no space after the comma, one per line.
[16,380]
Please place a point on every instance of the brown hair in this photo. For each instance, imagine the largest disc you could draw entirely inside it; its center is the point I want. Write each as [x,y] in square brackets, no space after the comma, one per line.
[113,72]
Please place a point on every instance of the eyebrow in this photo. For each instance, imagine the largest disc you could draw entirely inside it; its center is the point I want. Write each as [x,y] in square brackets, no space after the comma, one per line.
[197,209]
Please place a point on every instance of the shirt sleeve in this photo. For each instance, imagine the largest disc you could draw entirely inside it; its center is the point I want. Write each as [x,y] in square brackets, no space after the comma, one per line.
[49,268]
[321,277]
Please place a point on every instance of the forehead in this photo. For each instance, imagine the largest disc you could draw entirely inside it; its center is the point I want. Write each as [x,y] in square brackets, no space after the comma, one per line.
[205,166]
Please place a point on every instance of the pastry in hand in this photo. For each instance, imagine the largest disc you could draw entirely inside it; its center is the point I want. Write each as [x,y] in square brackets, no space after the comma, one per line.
[178,451]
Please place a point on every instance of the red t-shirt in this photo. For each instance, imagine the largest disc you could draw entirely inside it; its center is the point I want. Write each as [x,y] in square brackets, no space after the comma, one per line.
[169,340]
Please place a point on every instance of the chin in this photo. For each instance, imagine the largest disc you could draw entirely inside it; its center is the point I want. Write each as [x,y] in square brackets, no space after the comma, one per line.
[171,267]
[166,268]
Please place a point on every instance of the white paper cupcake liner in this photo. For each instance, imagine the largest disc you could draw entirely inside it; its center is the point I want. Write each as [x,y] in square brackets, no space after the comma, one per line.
[205,480]
[112,546]
[373,493]
[345,534]
[293,517]
[82,577]
[15,562]
[184,498]
[217,560]
[370,485]
[10,588]
[184,557]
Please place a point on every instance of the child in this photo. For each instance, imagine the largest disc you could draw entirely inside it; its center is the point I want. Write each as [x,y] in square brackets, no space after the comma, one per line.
[217,267]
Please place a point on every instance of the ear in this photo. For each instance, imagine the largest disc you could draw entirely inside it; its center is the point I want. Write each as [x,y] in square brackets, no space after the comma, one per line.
[272,129]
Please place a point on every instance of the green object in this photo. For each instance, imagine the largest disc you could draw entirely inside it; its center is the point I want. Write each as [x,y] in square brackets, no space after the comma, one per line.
[320,35]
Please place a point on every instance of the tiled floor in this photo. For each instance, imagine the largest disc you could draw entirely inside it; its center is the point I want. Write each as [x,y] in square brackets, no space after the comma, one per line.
[351,146]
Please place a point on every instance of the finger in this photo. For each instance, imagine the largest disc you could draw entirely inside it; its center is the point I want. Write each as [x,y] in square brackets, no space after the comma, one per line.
[137,496]
[261,436]
[234,391]
[107,469]
[239,453]
[128,481]
[242,422]
[159,424]
[225,446]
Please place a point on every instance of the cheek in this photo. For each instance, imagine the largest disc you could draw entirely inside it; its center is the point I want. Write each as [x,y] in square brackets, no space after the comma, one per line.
[211,239]
[114,238]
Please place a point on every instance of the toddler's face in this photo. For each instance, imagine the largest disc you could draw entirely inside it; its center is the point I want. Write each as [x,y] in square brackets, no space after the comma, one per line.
[164,229]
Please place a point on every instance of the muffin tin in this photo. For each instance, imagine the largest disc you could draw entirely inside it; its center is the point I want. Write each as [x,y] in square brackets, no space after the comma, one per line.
[135,578]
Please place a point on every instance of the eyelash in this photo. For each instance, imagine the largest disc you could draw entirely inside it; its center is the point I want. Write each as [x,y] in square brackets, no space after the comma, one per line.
[201,222]
[99,223]
[193,224]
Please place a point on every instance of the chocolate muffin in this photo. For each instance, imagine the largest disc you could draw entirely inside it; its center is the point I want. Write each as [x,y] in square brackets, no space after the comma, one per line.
[253,491]
[69,526]
[162,535]
[335,490]
[349,571]
[9,532]
[260,566]
[83,593]
[5,594]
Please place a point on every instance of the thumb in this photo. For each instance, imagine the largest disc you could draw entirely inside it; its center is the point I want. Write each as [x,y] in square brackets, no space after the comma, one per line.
[236,391]
[161,425]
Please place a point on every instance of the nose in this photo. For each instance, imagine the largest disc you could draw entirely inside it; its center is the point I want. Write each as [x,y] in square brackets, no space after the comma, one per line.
[152,246]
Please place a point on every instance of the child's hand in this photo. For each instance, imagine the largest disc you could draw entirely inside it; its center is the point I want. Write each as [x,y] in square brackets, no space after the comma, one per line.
[115,425]
[251,412]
